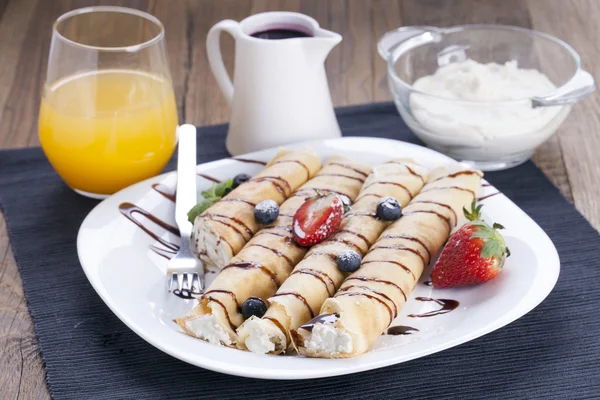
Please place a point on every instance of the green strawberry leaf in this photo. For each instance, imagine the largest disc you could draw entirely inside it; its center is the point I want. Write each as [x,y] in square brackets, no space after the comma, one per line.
[498,226]
[492,248]
[484,234]
[201,207]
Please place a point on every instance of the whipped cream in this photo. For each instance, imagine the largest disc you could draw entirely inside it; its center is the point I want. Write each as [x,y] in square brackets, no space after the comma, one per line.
[327,339]
[482,126]
[207,327]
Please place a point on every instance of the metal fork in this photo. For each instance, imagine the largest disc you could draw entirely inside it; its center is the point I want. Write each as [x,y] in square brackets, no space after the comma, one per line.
[185,273]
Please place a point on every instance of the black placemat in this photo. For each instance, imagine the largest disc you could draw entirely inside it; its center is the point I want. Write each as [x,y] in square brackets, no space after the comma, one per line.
[550,353]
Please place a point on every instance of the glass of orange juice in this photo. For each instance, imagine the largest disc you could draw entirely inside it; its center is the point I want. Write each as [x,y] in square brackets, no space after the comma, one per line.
[108,116]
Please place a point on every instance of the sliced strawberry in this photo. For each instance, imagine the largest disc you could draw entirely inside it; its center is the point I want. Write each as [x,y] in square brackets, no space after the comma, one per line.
[474,254]
[317,219]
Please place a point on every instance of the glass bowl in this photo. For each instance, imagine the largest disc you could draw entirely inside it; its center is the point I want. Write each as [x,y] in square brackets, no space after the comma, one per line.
[489,135]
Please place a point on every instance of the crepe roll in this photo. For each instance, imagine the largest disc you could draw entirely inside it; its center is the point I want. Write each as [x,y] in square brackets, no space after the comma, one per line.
[267,259]
[368,301]
[222,230]
[317,276]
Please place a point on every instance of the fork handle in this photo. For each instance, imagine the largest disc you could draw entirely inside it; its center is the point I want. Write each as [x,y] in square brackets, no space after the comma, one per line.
[186,180]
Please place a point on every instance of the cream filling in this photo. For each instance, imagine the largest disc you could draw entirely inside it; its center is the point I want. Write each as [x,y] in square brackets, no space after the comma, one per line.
[207,327]
[207,241]
[261,336]
[325,338]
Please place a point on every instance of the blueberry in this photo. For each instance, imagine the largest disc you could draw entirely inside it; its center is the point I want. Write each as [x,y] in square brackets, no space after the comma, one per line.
[266,211]
[254,306]
[348,261]
[239,179]
[227,191]
[388,209]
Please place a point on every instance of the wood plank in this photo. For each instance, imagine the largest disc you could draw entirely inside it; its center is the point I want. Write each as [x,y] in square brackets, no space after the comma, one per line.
[22,367]
[355,71]
[386,16]
[575,22]
[204,103]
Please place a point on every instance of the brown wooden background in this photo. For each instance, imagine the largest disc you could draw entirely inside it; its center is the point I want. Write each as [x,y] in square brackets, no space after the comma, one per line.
[356,75]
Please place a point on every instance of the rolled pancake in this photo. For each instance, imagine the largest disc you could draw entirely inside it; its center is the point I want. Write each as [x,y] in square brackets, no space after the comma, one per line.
[317,277]
[267,260]
[370,298]
[221,231]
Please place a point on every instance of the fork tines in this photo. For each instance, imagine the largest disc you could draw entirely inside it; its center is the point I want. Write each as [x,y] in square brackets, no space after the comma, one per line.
[185,285]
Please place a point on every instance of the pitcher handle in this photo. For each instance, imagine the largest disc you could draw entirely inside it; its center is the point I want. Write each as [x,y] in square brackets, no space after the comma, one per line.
[215,59]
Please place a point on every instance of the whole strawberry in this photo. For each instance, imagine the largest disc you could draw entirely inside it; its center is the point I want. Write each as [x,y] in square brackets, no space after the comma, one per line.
[317,218]
[474,254]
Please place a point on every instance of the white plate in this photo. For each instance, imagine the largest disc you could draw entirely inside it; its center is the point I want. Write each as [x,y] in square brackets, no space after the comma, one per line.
[130,277]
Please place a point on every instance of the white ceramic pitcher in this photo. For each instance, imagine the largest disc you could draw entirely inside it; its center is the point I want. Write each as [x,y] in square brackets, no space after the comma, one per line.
[279,93]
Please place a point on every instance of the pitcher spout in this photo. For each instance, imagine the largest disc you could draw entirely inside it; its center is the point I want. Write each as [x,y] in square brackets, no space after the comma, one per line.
[322,42]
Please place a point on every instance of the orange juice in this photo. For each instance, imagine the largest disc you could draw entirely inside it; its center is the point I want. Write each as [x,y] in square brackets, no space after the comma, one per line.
[107,129]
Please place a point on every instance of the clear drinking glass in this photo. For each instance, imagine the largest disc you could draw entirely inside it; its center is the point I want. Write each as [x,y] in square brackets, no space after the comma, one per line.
[108,116]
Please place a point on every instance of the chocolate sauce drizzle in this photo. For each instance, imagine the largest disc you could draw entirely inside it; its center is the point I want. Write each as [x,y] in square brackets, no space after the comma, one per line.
[370,296]
[296,162]
[310,192]
[404,267]
[212,216]
[274,251]
[447,306]
[210,298]
[346,243]
[276,322]
[411,238]
[165,191]
[385,296]
[128,210]
[448,221]
[408,192]
[320,319]
[208,177]
[454,175]
[361,180]
[229,292]
[402,248]
[401,330]
[332,256]
[237,200]
[358,235]
[246,160]
[350,168]
[487,197]
[410,170]
[253,265]
[320,275]
[450,188]
[439,204]
[371,279]
[278,182]
[361,214]
[299,297]
[378,196]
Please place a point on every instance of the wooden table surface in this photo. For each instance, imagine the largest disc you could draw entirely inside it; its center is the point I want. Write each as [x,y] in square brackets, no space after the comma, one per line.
[356,75]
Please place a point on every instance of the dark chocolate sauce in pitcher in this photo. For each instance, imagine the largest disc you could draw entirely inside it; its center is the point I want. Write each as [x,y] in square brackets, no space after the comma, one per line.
[281,32]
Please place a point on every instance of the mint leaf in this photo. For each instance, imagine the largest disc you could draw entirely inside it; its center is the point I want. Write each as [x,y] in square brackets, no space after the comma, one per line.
[201,207]
[217,189]
[221,187]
